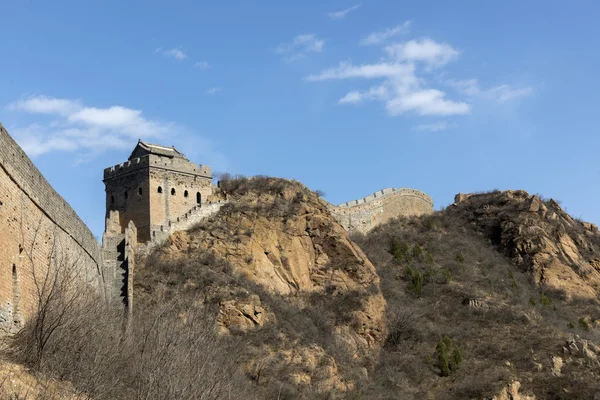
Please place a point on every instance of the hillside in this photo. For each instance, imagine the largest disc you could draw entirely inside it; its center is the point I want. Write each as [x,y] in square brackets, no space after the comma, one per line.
[284,276]
[511,279]
[494,297]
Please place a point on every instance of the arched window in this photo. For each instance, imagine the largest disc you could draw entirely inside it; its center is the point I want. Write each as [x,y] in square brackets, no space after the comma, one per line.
[159,189]
[173,192]
[125,195]
[198,198]
[140,191]
[185,194]
[112,199]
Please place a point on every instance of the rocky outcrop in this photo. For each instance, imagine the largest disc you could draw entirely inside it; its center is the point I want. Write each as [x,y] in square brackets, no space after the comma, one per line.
[559,251]
[280,238]
[511,392]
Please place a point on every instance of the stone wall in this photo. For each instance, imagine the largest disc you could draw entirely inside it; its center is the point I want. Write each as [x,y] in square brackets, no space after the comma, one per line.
[364,214]
[180,193]
[160,233]
[151,190]
[39,232]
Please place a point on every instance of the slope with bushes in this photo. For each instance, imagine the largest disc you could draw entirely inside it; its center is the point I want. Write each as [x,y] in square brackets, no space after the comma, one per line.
[469,313]
[285,278]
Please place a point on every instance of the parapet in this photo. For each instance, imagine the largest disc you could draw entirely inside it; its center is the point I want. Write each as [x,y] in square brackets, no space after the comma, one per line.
[384,192]
[364,214]
[180,165]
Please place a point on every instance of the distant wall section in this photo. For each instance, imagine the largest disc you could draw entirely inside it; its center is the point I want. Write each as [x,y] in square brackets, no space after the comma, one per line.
[38,231]
[364,214]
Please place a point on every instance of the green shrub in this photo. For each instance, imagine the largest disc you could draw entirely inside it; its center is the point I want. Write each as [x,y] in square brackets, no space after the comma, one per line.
[545,300]
[583,324]
[460,258]
[446,274]
[429,259]
[417,251]
[448,356]
[400,251]
[415,279]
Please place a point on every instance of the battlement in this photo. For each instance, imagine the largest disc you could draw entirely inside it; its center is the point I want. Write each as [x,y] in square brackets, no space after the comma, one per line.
[180,165]
[384,192]
[364,214]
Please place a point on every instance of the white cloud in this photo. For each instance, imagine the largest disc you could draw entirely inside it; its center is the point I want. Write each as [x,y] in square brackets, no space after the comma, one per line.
[502,93]
[401,91]
[470,87]
[426,102]
[435,127]
[201,64]
[342,14]
[45,105]
[301,46]
[78,127]
[213,90]
[381,36]
[425,50]
[175,53]
[369,71]
[374,93]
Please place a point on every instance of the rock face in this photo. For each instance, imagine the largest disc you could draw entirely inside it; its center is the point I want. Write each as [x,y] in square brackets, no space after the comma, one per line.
[511,392]
[560,252]
[280,237]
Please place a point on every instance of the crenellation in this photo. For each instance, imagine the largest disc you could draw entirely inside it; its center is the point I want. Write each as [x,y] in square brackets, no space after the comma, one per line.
[364,214]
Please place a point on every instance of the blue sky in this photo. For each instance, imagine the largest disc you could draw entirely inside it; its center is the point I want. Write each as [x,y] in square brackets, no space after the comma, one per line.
[347,97]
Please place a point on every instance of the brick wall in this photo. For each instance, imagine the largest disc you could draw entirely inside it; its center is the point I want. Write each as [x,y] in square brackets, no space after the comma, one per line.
[38,230]
[151,190]
[364,214]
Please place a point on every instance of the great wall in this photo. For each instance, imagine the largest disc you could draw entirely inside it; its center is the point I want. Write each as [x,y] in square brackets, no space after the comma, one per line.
[39,233]
[156,192]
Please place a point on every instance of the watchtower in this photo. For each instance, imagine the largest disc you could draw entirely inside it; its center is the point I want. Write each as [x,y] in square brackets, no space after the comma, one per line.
[155,185]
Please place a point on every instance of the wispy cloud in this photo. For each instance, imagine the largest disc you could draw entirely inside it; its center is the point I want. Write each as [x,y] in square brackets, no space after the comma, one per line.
[428,51]
[201,64]
[502,93]
[382,36]
[369,71]
[301,46]
[76,126]
[213,90]
[435,127]
[175,53]
[336,15]
[401,90]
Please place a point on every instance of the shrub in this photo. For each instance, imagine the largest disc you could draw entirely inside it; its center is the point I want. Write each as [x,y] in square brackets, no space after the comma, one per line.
[415,279]
[583,324]
[448,356]
[400,251]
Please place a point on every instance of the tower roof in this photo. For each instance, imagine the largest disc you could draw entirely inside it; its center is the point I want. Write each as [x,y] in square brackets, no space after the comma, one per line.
[145,148]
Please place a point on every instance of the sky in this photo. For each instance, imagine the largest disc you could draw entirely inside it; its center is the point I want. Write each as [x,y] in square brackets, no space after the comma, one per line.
[347,97]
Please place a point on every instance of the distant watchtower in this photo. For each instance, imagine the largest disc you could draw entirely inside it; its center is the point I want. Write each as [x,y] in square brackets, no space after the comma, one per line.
[155,185]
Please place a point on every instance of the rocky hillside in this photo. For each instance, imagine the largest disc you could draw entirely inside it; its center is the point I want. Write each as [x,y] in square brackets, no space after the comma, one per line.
[283,275]
[559,252]
[494,297]
[495,294]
